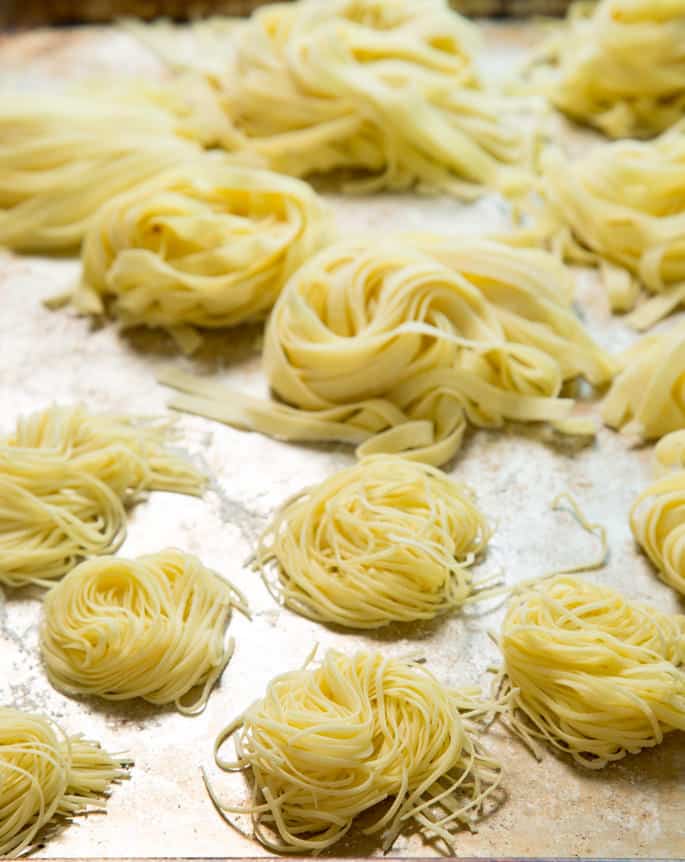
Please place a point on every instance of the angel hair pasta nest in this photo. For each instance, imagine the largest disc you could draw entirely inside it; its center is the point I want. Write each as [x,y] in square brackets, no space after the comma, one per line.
[385,540]
[328,743]
[47,777]
[66,478]
[591,673]
[153,627]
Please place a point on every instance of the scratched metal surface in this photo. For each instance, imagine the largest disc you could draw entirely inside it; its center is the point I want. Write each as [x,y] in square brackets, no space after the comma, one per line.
[634,808]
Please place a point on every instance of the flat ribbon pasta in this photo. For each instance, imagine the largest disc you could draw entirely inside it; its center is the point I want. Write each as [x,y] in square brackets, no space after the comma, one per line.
[153,627]
[622,207]
[47,776]
[205,244]
[647,398]
[388,87]
[618,65]
[589,672]
[66,476]
[380,345]
[385,540]
[64,155]
[326,744]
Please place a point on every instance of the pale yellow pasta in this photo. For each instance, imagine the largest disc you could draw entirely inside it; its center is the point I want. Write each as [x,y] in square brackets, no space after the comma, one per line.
[618,65]
[204,244]
[47,777]
[64,155]
[383,541]
[153,627]
[657,519]
[66,477]
[622,206]
[387,87]
[669,452]
[647,398]
[589,672]
[378,344]
[326,744]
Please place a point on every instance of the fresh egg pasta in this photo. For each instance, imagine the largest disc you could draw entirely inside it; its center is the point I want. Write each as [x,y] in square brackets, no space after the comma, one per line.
[387,87]
[387,540]
[203,244]
[618,65]
[646,398]
[381,345]
[328,743]
[153,627]
[47,777]
[589,672]
[66,478]
[622,207]
[62,156]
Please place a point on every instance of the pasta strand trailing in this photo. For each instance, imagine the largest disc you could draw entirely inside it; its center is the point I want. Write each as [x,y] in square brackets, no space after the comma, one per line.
[382,346]
[385,540]
[66,477]
[326,744]
[589,672]
[47,777]
[153,627]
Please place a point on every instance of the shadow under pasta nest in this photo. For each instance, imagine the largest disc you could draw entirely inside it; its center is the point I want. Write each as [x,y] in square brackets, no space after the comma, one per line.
[218,347]
[119,714]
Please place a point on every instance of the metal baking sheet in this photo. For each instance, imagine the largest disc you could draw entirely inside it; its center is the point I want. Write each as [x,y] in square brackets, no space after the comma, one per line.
[635,808]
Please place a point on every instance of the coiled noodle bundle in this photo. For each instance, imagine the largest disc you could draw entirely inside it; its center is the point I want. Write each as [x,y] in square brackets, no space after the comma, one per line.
[384,86]
[647,397]
[381,345]
[64,155]
[385,540]
[591,673]
[657,520]
[45,776]
[620,66]
[326,744]
[153,627]
[206,244]
[623,206]
[66,476]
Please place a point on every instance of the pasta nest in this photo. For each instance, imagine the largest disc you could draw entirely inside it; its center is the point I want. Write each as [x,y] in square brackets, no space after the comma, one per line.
[45,775]
[206,243]
[66,478]
[326,744]
[623,206]
[647,398]
[590,672]
[55,175]
[382,345]
[385,540]
[153,627]
[389,87]
[657,517]
[619,66]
